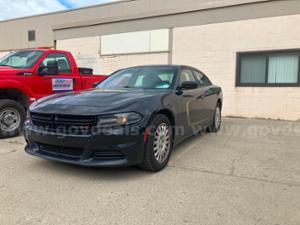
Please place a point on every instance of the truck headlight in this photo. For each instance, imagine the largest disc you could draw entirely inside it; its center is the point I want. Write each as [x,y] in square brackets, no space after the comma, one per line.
[121,119]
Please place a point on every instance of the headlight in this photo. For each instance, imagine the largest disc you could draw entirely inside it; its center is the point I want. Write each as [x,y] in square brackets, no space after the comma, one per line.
[119,119]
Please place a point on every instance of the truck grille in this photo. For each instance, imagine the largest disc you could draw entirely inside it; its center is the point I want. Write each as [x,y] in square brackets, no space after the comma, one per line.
[66,124]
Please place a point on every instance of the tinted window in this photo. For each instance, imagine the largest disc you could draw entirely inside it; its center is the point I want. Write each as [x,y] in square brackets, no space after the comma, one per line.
[31,35]
[186,75]
[202,79]
[141,77]
[269,68]
[62,61]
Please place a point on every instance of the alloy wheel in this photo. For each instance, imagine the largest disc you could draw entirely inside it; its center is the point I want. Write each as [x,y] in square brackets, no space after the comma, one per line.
[218,118]
[162,142]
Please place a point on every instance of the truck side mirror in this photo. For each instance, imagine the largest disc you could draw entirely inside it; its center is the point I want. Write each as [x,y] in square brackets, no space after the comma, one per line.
[50,69]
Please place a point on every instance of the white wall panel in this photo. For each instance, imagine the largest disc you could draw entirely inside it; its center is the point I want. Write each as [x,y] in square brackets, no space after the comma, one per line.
[135,42]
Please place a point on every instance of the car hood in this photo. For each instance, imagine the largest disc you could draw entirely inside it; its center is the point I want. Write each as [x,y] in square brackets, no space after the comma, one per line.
[98,101]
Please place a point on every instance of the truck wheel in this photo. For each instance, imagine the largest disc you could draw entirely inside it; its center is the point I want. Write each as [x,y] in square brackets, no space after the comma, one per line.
[12,117]
[159,144]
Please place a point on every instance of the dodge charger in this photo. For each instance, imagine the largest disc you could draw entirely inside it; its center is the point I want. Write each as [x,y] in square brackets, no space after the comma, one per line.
[134,117]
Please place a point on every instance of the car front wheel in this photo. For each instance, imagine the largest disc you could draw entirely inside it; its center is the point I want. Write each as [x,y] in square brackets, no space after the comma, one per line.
[158,145]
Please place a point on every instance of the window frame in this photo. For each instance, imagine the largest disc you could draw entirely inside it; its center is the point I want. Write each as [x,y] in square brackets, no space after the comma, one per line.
[31,35]
[239,56]
[64,55]
[200,72]
[181,71]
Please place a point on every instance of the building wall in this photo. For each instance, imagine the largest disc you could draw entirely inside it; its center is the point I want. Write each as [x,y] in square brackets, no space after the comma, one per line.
[87,54]
[85,51]
[213,48]
[14,33]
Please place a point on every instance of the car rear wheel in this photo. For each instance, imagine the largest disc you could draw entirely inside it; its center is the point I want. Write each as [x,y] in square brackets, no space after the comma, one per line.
[217,121]
[12,117]
[159,144]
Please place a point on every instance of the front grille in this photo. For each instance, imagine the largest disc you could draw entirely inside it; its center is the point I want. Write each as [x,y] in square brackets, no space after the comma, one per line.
[53,150]
[108,155]
[76,153]
[68,124]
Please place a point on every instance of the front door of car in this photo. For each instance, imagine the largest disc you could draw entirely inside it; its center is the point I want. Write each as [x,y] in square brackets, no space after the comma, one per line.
[192,107]
[65,80]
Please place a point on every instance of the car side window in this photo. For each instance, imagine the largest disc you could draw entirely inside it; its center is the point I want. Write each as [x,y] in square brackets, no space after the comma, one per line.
[62,61]
[186,75]
[202,80]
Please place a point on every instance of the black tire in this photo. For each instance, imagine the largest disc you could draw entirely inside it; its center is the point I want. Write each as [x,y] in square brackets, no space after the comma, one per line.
[150,162]
[214,128]
[19,111]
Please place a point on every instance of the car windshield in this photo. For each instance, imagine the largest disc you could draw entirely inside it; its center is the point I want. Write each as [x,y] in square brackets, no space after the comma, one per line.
[161,77]
[22,59]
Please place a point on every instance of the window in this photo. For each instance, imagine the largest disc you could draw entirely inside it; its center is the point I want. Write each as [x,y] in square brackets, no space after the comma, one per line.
[21,59]
[269,69]
[31,35]
[186,75]
[62,61]
[160,77]
[135,42]
[202,80]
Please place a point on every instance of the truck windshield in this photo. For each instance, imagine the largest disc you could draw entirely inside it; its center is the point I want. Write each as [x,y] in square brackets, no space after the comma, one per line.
[157,77]
[21,59]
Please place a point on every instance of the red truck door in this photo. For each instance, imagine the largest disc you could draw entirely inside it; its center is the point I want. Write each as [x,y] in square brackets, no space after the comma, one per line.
[67,78]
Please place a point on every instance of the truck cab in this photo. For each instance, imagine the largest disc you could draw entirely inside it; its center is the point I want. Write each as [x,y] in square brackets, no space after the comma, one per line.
[26,76]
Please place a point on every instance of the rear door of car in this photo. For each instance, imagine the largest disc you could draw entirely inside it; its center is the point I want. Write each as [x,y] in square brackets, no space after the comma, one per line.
[192,107]
[207,97]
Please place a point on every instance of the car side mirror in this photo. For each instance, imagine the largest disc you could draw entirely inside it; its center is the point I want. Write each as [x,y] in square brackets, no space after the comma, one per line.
[50,69]
[188,85]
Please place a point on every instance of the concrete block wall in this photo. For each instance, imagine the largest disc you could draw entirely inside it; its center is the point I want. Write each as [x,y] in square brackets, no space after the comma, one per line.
[85,51]
[87,54]
[213,49]
[113,63]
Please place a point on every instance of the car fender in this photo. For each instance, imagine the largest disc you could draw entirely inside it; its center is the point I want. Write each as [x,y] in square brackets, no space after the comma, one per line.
[13,84]
[167,108]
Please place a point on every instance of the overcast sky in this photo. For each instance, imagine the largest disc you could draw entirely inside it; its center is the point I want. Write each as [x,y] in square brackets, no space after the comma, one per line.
[19,8]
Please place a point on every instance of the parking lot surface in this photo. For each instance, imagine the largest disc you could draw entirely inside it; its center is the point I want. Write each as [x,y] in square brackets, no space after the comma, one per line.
[248,174]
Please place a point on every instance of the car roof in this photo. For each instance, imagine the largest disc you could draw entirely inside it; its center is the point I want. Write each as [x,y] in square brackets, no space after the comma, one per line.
[158,65]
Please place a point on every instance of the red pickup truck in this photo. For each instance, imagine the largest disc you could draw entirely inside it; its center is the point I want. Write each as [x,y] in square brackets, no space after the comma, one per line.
[28,75]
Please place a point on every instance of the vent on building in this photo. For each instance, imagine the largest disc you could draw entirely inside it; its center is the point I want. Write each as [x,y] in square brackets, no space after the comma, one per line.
[31,35]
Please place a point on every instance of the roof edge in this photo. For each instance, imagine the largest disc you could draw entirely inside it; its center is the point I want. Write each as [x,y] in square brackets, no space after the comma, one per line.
[67,10]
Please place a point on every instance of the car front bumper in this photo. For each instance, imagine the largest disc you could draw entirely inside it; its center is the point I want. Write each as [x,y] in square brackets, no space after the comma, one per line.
[113,148]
